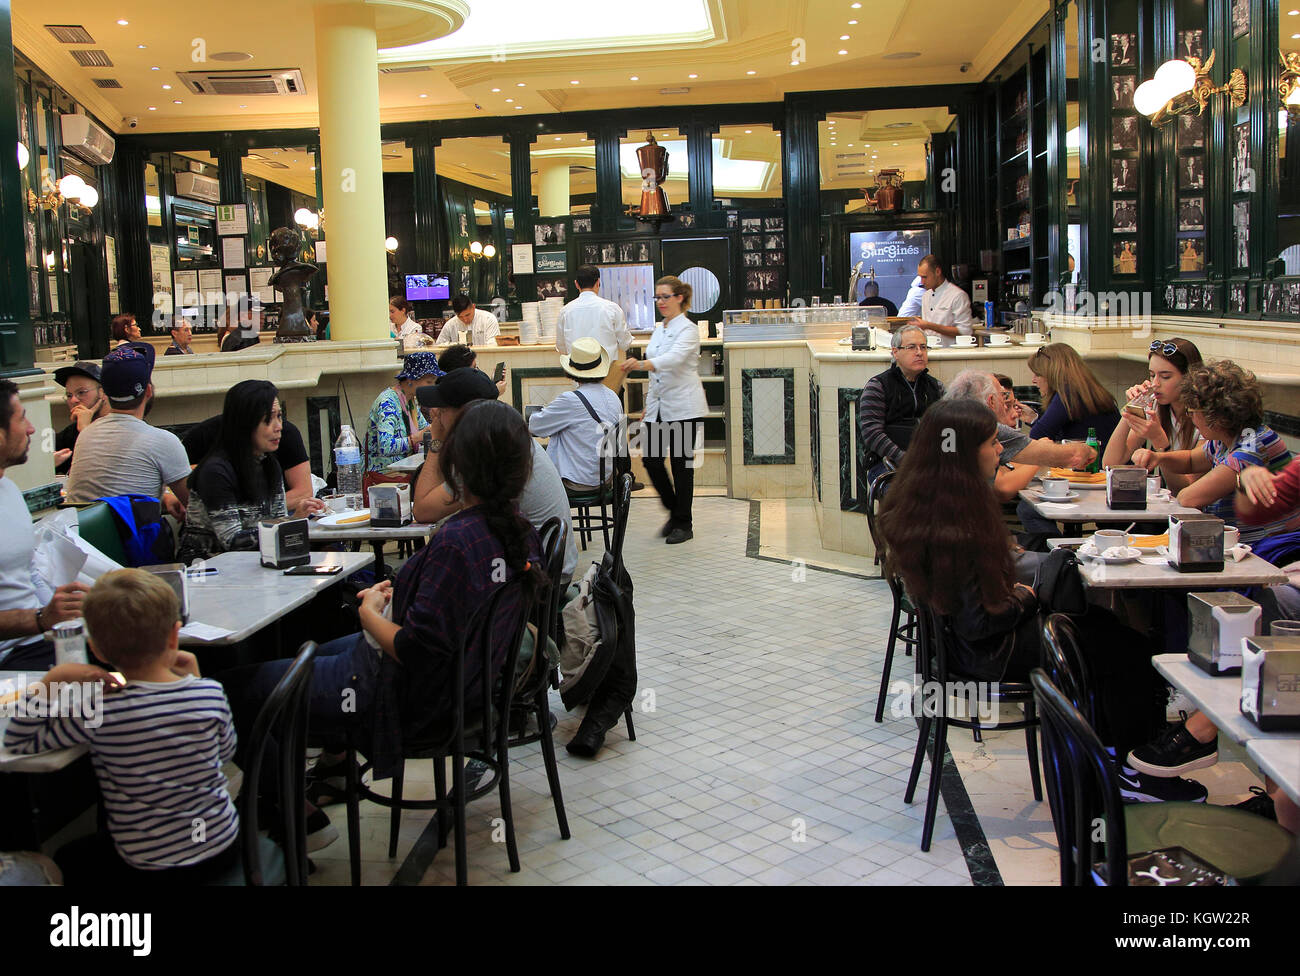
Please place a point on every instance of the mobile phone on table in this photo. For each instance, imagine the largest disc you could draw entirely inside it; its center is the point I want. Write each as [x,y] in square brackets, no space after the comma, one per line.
[310,570]
[500,372]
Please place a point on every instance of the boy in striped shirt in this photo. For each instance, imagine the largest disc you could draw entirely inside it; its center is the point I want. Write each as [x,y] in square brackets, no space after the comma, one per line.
[157,744]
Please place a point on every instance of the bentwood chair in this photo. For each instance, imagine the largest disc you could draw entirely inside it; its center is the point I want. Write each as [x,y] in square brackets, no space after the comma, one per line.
[477,727]
[601,498]
[936,715]
[538,675]
[282,719]
[902,619]
[1097,835]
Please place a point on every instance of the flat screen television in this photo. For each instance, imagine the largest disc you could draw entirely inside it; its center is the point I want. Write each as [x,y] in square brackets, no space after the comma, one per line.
[428,287]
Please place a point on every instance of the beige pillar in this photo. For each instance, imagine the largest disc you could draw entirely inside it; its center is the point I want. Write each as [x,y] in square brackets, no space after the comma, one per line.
[352,181]
[553,188]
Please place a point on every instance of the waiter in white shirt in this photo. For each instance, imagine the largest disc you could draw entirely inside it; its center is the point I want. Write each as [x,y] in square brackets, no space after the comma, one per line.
[912,303]
[590,316]
[479,328]
[945,308]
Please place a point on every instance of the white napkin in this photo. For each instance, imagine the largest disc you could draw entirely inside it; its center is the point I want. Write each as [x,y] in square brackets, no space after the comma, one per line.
[1056,508]
[1238,552]
[1153,560]
[204,632]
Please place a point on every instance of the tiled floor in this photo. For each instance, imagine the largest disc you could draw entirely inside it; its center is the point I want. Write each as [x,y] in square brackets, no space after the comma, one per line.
[756,760]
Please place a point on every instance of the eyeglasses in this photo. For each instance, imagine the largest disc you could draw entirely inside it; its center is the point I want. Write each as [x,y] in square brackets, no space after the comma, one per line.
[664,298]
[1165,349]
[913,347]
[82,394]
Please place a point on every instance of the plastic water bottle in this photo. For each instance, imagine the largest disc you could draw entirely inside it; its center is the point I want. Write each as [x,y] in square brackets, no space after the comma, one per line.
[347,466]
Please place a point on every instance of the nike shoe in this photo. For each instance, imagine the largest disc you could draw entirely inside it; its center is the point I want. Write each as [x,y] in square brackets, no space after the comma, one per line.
[1137,788]
[1260,804]
[1174,753]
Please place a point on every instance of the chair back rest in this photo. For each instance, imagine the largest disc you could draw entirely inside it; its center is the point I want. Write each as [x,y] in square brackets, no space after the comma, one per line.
[875,494]
[1081,787]
[932,652]
[1064,663]
[492,640]
[283,718]
[622,502]
[546,610]
[98,526]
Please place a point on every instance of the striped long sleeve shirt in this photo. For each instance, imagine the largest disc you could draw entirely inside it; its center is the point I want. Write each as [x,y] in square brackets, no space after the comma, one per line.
[157,749]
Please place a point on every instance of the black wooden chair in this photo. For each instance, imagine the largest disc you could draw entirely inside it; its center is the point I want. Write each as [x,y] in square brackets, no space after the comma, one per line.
[902,619]
[936,674]
[602,499]
[1095,830]
[475,729]
[532,687]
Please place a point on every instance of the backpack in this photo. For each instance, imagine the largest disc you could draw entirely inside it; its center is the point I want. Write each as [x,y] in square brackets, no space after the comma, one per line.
[1059,585]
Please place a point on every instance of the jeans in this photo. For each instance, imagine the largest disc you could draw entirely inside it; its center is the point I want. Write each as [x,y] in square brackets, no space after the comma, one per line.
[673,440]
[36,656]
[1034,523]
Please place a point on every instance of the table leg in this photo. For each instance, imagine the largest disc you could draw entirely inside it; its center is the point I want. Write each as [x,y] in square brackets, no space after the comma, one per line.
[380,569]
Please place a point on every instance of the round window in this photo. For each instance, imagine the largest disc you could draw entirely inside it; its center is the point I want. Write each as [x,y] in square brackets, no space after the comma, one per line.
[705,289]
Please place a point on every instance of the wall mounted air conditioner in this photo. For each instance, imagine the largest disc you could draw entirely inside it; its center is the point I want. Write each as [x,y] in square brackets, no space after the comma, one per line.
[277,81]
[196,186]
[85,140]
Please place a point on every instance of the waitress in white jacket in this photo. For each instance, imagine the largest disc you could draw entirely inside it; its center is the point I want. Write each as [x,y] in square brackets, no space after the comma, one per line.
[675,404]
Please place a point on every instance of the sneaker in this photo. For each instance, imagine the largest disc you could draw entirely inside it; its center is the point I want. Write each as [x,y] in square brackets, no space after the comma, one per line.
[1174,752]
[678,536]
[320,832]
[327,783]
[1260,804]
[1134,787]
[1178,706]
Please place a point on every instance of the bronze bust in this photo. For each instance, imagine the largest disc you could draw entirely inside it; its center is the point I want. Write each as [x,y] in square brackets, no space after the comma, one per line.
[290,279]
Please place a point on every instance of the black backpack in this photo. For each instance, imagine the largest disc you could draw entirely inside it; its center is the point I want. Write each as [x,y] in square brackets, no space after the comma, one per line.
[1059,585]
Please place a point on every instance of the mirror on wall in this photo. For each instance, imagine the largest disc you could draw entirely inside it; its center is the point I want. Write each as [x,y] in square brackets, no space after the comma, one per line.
[1074,230]
[1288,156]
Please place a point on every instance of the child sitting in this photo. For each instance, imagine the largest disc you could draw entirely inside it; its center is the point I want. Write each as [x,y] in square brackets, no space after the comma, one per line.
[157,743]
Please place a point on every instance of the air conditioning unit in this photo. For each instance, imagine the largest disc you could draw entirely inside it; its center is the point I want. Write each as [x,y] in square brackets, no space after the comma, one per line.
[85,140]
[278,81]
[196,186]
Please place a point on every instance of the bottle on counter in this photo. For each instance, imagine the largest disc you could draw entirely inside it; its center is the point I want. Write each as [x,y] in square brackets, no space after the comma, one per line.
[347,466]
[1095,444]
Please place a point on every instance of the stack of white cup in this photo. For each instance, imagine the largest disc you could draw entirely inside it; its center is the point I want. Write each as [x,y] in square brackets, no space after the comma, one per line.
[530,327]
[550,317]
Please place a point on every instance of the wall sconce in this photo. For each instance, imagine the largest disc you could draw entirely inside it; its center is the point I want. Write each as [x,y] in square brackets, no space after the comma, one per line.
[1180,86]
[390,244]
[477,249]
[71,189]
[24,157]
[306,219]
[1288,83]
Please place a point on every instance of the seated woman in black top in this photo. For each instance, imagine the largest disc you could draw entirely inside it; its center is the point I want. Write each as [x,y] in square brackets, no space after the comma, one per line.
[945,537]
[239,482]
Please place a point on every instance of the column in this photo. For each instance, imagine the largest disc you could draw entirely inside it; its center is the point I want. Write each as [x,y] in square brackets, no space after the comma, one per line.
[609,179]
[699,148]
[17,345]
[351,169]
[553,187]
[521,187]
[430,242]
[801,176]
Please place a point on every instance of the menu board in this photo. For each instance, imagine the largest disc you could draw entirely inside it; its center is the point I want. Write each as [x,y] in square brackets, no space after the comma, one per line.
[160,260]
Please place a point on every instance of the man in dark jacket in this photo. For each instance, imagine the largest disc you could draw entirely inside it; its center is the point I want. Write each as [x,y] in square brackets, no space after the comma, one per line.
[893,401]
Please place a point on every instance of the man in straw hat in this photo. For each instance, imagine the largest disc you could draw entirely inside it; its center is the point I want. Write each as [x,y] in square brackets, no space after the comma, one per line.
[578,422]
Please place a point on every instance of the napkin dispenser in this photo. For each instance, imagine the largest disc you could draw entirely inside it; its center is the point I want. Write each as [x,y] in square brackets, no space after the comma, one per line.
[1126,488]
[175,576]
[1270,682]
[283,543]
[863,337]
[1196,543]
[1217,623]
[390,505]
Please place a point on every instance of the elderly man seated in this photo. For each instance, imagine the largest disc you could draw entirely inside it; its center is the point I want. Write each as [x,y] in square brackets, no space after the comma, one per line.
[892,402]
[582,422]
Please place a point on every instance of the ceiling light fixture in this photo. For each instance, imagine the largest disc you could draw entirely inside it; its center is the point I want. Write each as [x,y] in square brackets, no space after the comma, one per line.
[153,108]
[155,68]
[424,95]
[751,72]
[748,131]
[853,23]
[509,99]
[855,6]
[634,78]
[520,84]
[574,82]
[844,37]
[692,76]
[496,89]
[140,47]
[176,101]
[841,52]
[123,23]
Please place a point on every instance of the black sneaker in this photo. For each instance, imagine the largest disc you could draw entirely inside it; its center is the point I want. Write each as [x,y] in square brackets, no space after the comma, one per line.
[1174,753]
[327,782]
[1260,804]
[1134,787]
[679,535]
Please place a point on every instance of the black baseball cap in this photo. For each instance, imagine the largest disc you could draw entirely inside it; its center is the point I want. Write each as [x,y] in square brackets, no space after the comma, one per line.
[457,388]
[127,370]
[79,368]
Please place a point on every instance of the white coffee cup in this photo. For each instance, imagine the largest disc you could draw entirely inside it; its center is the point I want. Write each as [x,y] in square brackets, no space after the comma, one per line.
[336,502]
[1231,536]
[1055,488]
[965,340]
[932,341]
[1034,337]
[1104,539]
[1153,487]
[998,340]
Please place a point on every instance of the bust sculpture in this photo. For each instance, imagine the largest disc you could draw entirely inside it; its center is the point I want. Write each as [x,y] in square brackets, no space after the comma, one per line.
[292,275]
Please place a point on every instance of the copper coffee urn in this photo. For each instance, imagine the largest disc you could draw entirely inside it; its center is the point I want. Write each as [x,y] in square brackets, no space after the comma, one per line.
[653,160]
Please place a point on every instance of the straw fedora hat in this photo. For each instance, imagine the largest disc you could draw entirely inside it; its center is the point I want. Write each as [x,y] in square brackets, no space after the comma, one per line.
[587,360]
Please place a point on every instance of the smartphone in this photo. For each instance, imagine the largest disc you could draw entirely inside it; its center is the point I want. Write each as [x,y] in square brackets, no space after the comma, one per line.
[314,570]
[500,372]
[1135,410]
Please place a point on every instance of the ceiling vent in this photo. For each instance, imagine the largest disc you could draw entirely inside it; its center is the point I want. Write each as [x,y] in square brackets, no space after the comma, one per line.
[280,81]
[92,58]
[107,83]
[70,33]
[274,164]
[404,70]
[195,186]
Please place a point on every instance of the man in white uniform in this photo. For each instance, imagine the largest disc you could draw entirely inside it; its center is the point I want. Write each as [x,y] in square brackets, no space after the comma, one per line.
[477,327]
[590,316]
[912,303]
[945,309]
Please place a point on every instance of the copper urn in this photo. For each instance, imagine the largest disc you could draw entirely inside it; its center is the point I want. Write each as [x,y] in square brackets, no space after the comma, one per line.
[653,160]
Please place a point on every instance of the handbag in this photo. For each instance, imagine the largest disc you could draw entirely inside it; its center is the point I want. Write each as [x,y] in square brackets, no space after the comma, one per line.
[1059,585]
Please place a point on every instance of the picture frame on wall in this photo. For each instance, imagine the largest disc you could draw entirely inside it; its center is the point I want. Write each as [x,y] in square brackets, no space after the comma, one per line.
[751,225]
[762,279]
[1240,17]
[1191,213]
[549,262]
[609,253]
[773,223]
[1122,88]
[1241,234]
[752,259]
[751,242]
[582,225]
[1123,175]
[1180,298]
[1124,133]
[548,233]
[1191,255]
[1191,132]
[1124,257]
[1191,44]
[1124,217]
[774,242]
[552,287]
[1243,177]
[686,220]
[627,252]
[590,254]
[776,257]
[1123,50]
[1191,173]
[733,219]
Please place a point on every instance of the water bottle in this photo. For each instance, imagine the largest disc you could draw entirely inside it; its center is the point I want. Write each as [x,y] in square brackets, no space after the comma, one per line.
[1095,444]
[70,642]
[347,467]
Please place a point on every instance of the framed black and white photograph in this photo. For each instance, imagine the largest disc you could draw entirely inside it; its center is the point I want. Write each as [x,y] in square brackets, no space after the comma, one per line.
[1124,133]
[1240,17]
[551,287]
[1122,88]
[775,257]
[1293,298]
[1169,296]
[582,225]
[751,242]
[773,223]
[1123,50]
[1241,234]
[1191,44]
[1237,297]
[733,219]
[627,252]
[544,234]
[1124,216]
[1180,298]
[608,253]
[1243,177]
[591,254]
[1191,255]
[760,280]
[686,220]
[1191,173]
[751,225]
[752,259]
[774,242]
[1123,175]
[1191,213]
[1124,257]
[1191,132]
[549,262]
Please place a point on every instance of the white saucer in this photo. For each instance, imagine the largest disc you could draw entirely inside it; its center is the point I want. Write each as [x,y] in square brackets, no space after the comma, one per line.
[1069,496]
[337,517]
[1088,551]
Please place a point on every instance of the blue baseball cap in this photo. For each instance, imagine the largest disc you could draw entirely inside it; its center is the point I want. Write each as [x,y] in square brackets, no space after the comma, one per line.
[126,371]
[419,364]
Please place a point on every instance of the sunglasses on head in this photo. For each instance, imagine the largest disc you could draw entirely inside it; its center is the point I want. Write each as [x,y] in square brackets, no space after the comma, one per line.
[1164,348]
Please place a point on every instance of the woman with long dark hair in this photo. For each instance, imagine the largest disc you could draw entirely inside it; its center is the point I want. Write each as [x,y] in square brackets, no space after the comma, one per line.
[239,482]
[1165,425]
